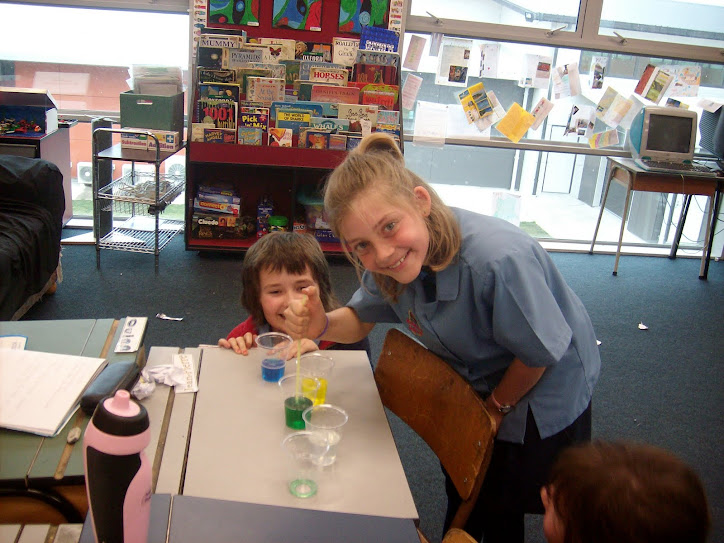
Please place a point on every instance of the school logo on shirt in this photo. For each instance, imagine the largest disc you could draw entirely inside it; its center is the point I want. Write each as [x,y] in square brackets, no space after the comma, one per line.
[412,323]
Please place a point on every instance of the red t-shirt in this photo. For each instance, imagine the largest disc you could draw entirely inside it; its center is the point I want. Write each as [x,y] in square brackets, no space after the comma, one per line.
[248,326]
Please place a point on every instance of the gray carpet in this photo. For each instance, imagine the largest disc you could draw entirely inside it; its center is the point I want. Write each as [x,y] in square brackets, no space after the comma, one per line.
[662,386]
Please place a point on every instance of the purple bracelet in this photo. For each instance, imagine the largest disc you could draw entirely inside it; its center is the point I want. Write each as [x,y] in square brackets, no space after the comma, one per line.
[326,326]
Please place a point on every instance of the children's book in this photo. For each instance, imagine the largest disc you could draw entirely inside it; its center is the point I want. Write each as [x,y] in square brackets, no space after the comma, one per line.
[313,108]
[328,123]
[292,119]
[273,70]
[243,75]
[248,135]
[197,130]
[280,137]
[221,113]
[292,70]
[230,41]
[388,117]
[316,139]
[314,50]
[338,142]
[219,135]
[255,119]
[265,89]
[240,58]
[219,91]
[328,76]
[282,49]
[306,65]
[208,75]
[210,57]
[336,94]
[385,100]
[344,50]
[381,58]
[357,112]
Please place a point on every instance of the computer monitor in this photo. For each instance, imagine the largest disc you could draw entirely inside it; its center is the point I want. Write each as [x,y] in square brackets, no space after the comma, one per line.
[664,134]
[711,128]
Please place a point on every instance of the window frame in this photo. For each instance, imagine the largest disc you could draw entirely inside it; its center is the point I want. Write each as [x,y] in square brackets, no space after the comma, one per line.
[164,6]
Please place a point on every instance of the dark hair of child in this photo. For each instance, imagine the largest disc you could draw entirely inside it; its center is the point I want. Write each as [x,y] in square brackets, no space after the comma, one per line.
[627,493]
[283,251]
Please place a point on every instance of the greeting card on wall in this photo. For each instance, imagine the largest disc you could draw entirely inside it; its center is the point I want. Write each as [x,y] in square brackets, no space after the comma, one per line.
[410,90]
[686,80]
[489,54]
[453,62]
[354,14]
[298,14]
[414,53]
[536,72]
[654,83]
[597,72]
[612,107]
[230,14]
[566,81]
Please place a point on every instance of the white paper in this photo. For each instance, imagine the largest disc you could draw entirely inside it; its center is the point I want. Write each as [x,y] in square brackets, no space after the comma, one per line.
[430,124]
[498,110]
[580,122]
[13,342]
[435,42]
[597,72]
[131,335]
[536,72]
[186,363]
[566,81]
[410,90]
[710,105]
[453,62]
[414,53]
[40,391]
[686,80]
[540,112]
[636,106]
[489,56]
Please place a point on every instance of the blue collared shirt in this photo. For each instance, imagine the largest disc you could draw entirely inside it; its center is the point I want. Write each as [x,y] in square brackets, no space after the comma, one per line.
[502,298]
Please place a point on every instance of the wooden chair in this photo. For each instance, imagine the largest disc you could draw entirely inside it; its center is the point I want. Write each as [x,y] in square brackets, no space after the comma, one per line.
[443,409]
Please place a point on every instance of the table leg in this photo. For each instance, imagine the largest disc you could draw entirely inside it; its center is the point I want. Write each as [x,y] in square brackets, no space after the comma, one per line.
[623,223]
[680,226]
[609,177]
[710,231]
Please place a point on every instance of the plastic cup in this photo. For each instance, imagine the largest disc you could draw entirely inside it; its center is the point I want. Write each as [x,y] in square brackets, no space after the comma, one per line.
[295,402]
[325,423]
[275,346]
[316,366]
[302,452]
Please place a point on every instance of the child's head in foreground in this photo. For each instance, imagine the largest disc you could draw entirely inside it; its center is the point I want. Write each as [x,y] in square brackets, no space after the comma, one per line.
[276,267]
[623,493]
[372,179]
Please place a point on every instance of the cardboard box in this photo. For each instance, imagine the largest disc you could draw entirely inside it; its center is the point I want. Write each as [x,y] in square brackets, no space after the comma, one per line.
[27,110]
[150,111]
[168,141]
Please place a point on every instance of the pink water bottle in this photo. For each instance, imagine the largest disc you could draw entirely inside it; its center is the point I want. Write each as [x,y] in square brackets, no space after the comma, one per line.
[117,471]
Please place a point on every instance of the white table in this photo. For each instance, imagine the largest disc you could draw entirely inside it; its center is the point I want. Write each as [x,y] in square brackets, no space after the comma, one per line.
[238,424]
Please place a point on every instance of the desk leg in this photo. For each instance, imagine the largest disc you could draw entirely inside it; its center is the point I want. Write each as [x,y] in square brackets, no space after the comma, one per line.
[609,177]
[623,223]
[709,236]
[680,226]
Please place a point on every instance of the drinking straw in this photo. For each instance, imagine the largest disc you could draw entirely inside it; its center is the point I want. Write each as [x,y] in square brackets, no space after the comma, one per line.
[298,387]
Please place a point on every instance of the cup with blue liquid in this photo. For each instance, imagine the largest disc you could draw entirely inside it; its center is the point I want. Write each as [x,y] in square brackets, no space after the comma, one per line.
[274,346]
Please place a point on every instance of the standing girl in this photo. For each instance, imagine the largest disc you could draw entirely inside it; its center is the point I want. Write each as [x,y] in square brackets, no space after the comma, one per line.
[481,294]
[276,270]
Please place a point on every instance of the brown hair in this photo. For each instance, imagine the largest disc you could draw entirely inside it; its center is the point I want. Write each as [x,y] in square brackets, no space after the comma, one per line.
[377,165]
[283,251]
[627,493]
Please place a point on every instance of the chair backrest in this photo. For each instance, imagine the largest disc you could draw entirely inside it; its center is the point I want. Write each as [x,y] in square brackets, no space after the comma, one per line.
[442,408]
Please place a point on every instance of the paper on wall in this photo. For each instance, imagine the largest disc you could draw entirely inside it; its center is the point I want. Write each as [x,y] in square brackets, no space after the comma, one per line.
[453,62]
[536,72]
[435,42]
[414,53]
[636,106]
[709,105]
[489,56]
[580,121]
[603,139]
[410,90]
[597,72]
[686,80]
[566,81]
[430,124]
[540,112]
[516,123]
[612,107]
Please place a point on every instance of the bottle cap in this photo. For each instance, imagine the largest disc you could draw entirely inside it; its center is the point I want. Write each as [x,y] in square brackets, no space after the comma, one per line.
[119,415]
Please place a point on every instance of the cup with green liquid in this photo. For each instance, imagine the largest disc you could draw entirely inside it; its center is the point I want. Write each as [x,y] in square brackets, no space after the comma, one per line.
[302,453]
[316,367]
[297,399]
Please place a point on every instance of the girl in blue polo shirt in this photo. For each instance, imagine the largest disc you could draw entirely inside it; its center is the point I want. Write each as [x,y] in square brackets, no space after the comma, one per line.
[481,294]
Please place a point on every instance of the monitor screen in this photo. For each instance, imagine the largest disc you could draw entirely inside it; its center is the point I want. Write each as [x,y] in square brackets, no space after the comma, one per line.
[669,134]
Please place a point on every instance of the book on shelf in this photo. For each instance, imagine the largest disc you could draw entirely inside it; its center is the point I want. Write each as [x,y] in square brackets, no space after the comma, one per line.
[204,196]
[210,57]
[292,70]
[329,123]
[219,135]
[240,58]
[384,100]
[305,67]
[286,47]
[280,137]
[272,70]
[197,130]
[311,49]
[209,75]
[315,139]
[315,109]
[220,113]
[357,112]
[375,73]
[386,116]
[255,119]
[334,94]
[293,119]
[230,41]
[243,75]
[265,89]
[344,50]
[250,135]
[219,91]
[39,392]
[328,76]
[338,142]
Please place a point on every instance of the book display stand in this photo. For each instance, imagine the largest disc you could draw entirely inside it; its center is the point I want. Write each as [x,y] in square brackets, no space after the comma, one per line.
[264,128]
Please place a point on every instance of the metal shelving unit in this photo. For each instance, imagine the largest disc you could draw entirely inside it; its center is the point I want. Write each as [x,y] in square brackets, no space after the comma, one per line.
[140,196]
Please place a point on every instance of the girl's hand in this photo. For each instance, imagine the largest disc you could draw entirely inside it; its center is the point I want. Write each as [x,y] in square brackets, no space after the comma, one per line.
[306,318]
[307,347]
[240,345]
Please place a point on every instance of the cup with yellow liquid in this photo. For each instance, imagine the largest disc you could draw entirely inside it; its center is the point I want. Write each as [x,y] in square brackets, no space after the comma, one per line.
[316,370]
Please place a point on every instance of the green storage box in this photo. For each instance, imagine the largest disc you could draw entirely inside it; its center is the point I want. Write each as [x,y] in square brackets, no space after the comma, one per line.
[149,111]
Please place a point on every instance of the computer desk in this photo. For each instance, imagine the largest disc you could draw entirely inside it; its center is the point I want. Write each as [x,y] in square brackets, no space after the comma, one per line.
[634,178]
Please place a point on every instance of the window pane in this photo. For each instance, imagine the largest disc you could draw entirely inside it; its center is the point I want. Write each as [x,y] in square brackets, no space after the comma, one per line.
[690,22]
[525,13]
